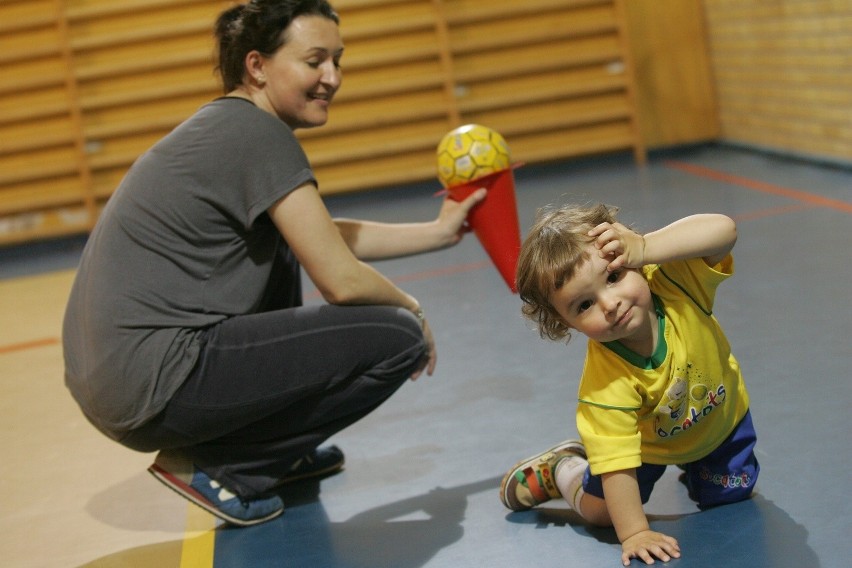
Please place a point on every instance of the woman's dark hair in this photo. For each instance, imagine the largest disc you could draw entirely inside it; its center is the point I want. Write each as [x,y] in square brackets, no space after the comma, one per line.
[258,25]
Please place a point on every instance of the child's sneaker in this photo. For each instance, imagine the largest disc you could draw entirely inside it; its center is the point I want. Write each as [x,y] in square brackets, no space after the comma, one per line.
[184,478]
[531,482]
[319,463]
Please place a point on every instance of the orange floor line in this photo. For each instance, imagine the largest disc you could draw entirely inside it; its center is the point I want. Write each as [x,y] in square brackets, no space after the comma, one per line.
[764,187]
[14,347]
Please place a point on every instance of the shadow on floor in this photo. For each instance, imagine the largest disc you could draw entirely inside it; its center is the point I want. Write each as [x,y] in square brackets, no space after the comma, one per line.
[404,534]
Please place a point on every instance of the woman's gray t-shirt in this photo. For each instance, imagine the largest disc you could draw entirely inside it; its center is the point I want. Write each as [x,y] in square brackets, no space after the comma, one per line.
[183,243]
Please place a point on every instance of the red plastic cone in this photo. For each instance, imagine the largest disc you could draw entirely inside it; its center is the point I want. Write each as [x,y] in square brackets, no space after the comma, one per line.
[495,220]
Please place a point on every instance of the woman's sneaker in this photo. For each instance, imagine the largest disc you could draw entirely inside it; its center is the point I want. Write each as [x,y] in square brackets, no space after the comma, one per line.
[186,480]
[321,462]
[531,482]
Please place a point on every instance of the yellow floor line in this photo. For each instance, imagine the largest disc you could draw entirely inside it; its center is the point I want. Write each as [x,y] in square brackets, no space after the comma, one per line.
[199,541]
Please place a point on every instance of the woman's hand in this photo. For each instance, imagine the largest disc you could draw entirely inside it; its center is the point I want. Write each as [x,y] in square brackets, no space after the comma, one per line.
[453,215]
[432,356]
[648,545]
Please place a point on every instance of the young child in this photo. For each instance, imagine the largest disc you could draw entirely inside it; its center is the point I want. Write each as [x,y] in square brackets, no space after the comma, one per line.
[660,386]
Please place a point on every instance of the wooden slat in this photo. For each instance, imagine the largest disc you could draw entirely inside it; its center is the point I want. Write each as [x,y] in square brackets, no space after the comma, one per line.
[360,115]
[21,15]
[558,115]
[18,78]
[84,10]
[559,144]
[527,59]
[30,45]
[540,88]
[533,28]
[23,106]
[37,165]
[345,7]
[24,136]
[390,50]
[141,58]
[376,81]
[345,177]
[122,152]
[42,194]
[377,142]
[387,20]
[145,26]
[150,89]
[473,11]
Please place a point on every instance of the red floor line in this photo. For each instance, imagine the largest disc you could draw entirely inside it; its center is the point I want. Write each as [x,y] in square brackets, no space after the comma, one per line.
[15,347]
[803,196]
[446,271]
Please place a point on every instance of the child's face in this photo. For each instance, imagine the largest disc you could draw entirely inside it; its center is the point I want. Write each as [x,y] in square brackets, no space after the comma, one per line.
[607,306]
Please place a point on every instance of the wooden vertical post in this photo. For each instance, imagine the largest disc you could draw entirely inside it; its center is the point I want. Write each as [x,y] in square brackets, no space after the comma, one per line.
[71,87]
[446,54]
[639,152]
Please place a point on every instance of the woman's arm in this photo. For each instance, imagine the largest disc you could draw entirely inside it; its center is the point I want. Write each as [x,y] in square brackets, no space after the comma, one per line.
[306,225]
[621,493]
[369,240]
[708,236]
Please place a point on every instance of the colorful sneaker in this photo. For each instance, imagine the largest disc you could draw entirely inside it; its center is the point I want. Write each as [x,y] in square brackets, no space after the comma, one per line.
[186,480]
[531,482]
[319,463]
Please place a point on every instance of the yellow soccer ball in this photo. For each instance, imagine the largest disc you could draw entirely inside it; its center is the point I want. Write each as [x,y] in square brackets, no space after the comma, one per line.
[470,152]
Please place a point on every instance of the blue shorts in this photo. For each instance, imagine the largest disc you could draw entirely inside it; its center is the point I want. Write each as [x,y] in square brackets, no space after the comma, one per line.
[726,475]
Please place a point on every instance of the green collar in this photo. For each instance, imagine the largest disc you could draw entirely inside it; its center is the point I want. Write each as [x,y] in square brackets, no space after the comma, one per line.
[659,355]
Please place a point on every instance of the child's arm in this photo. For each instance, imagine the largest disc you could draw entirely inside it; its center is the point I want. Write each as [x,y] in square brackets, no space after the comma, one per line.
[708,236]
[621,492]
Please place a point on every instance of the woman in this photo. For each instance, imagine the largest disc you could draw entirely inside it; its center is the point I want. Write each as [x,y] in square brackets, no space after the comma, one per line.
[184,331]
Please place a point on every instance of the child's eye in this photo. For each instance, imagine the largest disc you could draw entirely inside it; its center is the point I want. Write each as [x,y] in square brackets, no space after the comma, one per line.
[584,306]
[614,277]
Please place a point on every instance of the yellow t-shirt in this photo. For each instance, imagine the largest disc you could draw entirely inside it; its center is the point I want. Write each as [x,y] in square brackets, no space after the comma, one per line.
[678,405]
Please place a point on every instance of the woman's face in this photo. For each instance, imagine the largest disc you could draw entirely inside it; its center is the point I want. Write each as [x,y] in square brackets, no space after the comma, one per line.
[298,82]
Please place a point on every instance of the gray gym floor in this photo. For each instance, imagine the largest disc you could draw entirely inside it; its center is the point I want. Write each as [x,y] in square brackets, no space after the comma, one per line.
[420,488]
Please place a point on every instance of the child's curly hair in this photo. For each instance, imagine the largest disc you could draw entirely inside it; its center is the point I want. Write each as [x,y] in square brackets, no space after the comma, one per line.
[551,252]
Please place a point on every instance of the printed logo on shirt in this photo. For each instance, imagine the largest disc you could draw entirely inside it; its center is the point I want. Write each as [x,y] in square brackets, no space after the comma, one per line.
[686,402]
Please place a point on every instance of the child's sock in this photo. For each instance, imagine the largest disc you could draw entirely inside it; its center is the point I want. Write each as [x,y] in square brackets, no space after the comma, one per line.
[569,480]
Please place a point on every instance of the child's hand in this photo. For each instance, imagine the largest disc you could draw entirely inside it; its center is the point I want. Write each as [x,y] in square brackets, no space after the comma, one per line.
[648,545]
[623,247]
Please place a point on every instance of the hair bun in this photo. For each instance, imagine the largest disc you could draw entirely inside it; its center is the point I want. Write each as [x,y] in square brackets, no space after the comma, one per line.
[229,23]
